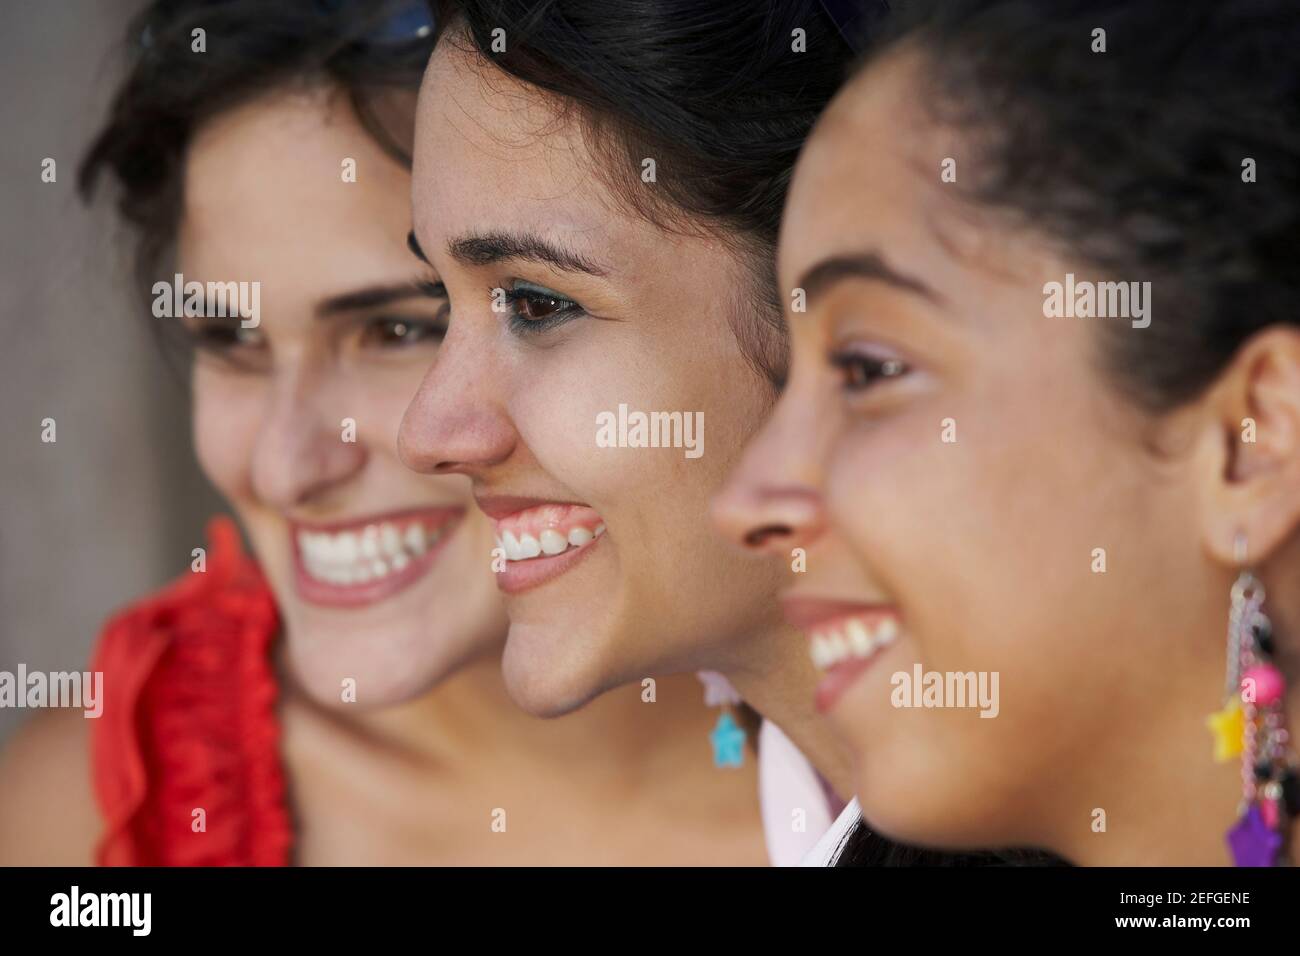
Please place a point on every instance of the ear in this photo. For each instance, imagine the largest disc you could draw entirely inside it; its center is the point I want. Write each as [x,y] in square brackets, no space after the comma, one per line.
[1251,482]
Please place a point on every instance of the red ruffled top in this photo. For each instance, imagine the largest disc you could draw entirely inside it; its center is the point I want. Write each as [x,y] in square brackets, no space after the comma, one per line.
[190,722]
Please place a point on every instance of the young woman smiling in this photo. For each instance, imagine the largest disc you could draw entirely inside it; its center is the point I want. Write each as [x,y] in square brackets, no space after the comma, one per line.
[601,197]
[1081,505]
[338,701]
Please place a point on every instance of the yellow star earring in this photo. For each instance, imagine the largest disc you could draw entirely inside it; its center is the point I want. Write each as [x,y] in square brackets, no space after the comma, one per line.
[1227,725]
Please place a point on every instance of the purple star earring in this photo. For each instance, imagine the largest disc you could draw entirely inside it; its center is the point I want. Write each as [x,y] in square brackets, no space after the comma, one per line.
[1252,842]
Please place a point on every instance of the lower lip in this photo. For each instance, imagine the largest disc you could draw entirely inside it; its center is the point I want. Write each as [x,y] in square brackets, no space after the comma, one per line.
[526,575]
[315,591]
[841,677]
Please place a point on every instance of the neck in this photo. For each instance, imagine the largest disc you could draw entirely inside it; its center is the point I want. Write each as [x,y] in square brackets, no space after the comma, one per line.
[776,677]
[470,713]
[1167,802]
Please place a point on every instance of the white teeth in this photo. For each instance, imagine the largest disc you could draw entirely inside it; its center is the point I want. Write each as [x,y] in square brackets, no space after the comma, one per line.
[821,652]
[529,547]
[549,542]
[389,539]
[414,538]
[552,542]
[370,542]
[857,639]
[349,558]
[511,544]
[887,631]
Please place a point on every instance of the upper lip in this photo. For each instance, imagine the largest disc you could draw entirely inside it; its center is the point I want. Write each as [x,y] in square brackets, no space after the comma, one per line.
[343,524]
[497,507]
[805,612]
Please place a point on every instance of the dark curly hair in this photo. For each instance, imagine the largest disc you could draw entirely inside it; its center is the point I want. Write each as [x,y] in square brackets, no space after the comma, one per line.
[363,49]
[1133,158]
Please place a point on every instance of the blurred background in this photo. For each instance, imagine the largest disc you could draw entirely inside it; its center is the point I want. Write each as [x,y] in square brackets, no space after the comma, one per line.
[111,509]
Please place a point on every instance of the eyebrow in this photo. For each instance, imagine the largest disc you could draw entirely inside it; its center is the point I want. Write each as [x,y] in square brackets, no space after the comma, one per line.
[493,247]
[818,279]
[374,296]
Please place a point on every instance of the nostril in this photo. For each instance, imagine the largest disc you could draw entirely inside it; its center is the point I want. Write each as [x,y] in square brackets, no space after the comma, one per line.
[760,536]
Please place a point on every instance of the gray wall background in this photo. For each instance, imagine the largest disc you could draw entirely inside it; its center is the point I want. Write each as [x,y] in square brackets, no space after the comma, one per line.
[112,509]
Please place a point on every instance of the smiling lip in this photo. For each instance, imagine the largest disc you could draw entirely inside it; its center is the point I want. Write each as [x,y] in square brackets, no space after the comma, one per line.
[338,582]
[541,539]
[846,638]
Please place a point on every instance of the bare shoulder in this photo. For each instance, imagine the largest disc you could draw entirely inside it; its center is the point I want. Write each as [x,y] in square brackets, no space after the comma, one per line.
[48,815]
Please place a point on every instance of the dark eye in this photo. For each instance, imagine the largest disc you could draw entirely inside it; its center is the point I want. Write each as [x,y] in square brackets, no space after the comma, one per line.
[859,371]
[221,336]
[535,309]
[386,332]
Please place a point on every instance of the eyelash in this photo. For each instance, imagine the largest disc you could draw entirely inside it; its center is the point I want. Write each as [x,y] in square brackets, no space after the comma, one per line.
[222,337]
[528,295]
[224,340]
[861,371]
[423,329]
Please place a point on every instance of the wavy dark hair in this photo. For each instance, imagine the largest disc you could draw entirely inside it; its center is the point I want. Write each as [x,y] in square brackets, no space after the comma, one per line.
[365,50]
[713,91]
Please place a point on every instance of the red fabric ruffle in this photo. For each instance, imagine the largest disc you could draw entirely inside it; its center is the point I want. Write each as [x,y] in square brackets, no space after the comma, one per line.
[190,721]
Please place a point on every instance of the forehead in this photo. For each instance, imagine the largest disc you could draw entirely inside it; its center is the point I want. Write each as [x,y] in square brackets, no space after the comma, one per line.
[264,185]
[288,149]
[869,177]
[490,148]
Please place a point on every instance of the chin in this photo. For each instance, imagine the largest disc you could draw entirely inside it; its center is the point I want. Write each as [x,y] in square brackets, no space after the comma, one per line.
[916,804]
[387,668]
[546,682]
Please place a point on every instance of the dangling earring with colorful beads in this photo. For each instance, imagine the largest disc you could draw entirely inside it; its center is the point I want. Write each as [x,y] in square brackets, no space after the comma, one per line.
[727,736]
[1252,725]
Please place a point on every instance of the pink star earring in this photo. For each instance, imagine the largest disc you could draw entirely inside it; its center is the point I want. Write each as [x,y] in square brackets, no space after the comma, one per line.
[1252,725]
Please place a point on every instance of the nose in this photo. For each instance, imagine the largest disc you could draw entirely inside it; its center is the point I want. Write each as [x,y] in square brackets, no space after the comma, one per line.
[456,423]
[772,502]
[302,449]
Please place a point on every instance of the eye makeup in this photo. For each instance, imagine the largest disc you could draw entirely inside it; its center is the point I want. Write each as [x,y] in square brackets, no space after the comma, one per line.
[534,309]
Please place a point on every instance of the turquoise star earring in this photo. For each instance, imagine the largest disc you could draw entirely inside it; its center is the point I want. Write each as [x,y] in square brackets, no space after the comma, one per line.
[727,736]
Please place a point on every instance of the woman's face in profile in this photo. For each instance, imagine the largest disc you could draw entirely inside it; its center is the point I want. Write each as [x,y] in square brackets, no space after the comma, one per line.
[568,310]
[381,576]
[939,423]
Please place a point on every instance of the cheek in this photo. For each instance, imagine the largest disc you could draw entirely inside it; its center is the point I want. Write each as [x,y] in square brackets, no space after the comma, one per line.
[555,409]
[986,541]
[227,412]
[382,396]
[933,503]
